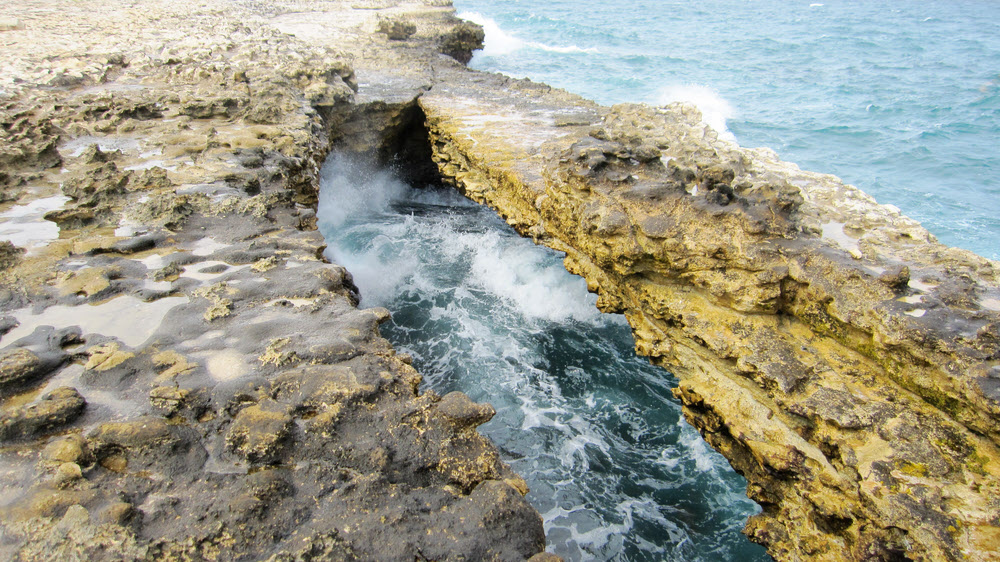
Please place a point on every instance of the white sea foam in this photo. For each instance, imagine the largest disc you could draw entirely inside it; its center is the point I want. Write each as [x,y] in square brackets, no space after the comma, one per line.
[350,189]
[498,42]
[484,311]
[518,274]
[507,267]
[715,110]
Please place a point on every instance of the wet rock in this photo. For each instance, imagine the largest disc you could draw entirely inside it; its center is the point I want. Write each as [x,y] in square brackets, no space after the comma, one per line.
[94,155]
[147,443]
[795,354]
[106,356]
[55,409]
[896,277]
[545,557]
[71,448]
[98,186]
[8,323]
[458,408]
[72,218]
[74,537]
[325,546]
[9,254]
[137,243]
[167,400]
[27,141]
[67,474]
[286,375]
[123,514]
[19,366]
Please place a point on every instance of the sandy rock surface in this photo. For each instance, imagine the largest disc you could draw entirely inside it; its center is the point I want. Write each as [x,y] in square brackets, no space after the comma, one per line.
[183,375]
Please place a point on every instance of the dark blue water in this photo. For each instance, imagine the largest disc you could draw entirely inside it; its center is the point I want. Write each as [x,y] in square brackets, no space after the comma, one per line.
[901,99]
[613,468]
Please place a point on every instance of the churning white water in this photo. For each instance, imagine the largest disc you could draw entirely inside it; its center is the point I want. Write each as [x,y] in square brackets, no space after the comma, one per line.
[613,468]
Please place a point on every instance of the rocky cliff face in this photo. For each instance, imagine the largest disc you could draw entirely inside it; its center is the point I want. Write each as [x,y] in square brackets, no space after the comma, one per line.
[183,376]
[830,348]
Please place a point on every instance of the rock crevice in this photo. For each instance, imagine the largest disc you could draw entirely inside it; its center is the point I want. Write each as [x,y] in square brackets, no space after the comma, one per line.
[829,347]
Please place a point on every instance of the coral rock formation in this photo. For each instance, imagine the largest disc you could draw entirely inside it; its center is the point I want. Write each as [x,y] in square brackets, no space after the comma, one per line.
[830,348]
[184,375]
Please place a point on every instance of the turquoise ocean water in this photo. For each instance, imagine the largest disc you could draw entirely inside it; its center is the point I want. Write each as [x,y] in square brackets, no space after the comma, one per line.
[901,99]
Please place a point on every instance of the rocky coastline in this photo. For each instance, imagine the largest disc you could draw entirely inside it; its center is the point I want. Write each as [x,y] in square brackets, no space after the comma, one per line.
[185,376]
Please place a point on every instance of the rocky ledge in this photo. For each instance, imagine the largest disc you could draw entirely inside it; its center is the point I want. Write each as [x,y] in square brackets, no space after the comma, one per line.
[185,376]
[842,360]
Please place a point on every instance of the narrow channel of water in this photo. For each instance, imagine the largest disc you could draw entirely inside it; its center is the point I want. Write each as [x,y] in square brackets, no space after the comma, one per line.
[613,468]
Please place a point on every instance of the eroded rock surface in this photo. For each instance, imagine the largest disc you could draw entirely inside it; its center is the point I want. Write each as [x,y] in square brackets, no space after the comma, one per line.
[842,360]
[184,375]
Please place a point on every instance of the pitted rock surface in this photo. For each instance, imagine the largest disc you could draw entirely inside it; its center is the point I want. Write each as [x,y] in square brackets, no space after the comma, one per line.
[184,375]
[829,347]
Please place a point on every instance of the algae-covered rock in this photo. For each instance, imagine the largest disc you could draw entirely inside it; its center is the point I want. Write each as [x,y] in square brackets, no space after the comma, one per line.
[829,347]
[9,254]
[55,409]
[397,29]
[18,366]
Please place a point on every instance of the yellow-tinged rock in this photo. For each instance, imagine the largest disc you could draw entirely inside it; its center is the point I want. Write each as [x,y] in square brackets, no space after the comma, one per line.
[175,364]
[106,356]
[88,282]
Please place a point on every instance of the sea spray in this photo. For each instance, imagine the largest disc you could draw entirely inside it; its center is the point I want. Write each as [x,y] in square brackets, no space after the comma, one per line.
[498,42]
[614,470]
[715,110]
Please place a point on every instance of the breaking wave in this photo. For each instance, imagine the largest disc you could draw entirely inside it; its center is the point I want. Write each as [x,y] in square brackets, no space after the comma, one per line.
[614,470]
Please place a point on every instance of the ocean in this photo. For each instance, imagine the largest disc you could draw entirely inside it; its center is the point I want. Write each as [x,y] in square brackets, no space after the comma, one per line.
[901,99]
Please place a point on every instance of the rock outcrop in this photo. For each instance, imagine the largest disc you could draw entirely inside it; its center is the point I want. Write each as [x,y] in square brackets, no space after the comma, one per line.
[184,376]
[842,360]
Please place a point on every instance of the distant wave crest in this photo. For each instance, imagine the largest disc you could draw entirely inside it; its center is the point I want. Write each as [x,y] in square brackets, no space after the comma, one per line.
[499,42]
[715,110]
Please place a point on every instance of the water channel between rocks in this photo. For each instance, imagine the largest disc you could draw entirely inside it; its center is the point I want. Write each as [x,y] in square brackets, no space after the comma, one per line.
[614,469]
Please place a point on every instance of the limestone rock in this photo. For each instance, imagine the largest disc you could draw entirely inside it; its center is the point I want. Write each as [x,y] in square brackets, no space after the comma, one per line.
[397,29]
[19,366]
[190,137]
[55,409]
[260,433]
[806,362]
[459,42]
